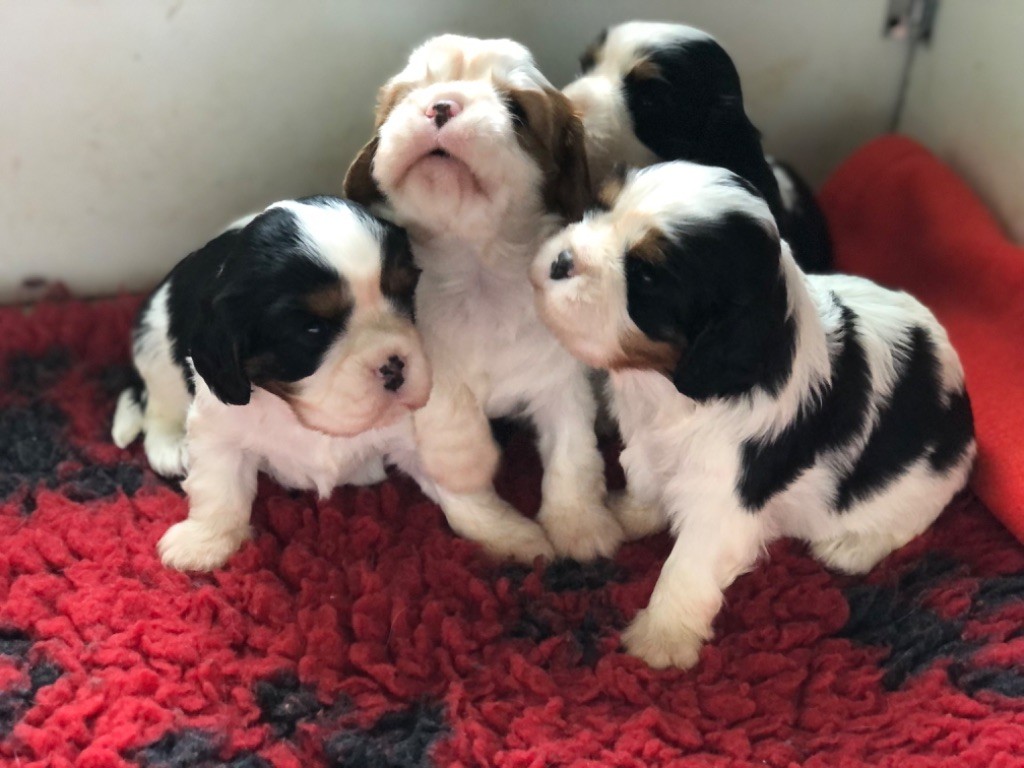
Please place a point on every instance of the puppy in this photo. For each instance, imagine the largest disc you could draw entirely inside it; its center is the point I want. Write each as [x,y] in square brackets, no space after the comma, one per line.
[481,159]
[654,92]
[755,402]
[306,366]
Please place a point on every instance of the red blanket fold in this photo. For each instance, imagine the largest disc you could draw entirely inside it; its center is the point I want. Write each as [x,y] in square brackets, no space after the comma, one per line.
[901,217]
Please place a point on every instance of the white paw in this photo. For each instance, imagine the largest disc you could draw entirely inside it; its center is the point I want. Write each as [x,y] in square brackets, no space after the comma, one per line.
[521,540]
[583,531]
[192,546]
[370,472]
[854,553]
[167,453]
[661,644]
[636,518]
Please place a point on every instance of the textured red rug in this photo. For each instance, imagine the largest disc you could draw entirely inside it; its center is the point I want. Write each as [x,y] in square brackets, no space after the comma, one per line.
[359,631]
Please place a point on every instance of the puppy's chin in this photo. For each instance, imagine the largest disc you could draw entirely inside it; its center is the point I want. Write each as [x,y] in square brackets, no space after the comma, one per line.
[442,177]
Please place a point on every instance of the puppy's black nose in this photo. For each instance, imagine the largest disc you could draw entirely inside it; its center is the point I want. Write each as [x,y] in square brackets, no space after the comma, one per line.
[561,267]
[392,373]
[442,112]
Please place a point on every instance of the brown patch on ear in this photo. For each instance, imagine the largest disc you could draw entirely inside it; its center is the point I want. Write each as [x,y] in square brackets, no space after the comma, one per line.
[649,248]
[645,69]
[283,389]
[589,57]
[612,187]
[331,302]
[643,353]
[553,136]
[359,185]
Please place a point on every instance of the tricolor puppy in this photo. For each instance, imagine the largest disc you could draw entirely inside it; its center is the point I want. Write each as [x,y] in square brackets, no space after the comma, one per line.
[653,92]
[298,323]
[481,159]
[755,402]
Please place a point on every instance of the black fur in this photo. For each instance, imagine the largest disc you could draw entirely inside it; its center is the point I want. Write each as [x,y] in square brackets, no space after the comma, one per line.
[826,421]
[694,111]
[913,424]
[804,224]
[719,295]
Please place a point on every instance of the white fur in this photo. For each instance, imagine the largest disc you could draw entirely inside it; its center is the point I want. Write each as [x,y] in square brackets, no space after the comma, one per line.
[476,221]
[685,455]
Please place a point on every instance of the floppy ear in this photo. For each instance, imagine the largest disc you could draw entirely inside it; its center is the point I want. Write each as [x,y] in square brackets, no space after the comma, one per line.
[359,185]
[217,357]
[570,190]
[399,273]
[747,337]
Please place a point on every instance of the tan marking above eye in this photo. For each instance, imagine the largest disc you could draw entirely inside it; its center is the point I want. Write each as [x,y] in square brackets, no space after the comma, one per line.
[332,301]
[645,69]
[650,247]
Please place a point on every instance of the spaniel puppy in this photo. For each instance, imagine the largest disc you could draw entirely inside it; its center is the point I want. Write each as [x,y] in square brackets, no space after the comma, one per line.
[481,159]
[654,92]
[755,402]
[297,322]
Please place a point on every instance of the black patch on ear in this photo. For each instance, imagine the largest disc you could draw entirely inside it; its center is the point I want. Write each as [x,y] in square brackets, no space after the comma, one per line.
[694,111]
[217,354]
[399,274]
[914,423]
[826,421]
[720,296]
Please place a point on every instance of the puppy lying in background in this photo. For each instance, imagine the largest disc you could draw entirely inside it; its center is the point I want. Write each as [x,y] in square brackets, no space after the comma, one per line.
[755,402]
[298,323]
[481,159]
[655,92]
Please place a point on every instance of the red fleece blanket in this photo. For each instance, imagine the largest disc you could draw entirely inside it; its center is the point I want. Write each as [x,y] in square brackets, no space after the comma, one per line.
[902,218]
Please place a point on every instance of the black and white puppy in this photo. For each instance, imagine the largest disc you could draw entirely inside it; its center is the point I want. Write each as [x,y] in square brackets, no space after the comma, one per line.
[653,92]
[298,324]
[755,402]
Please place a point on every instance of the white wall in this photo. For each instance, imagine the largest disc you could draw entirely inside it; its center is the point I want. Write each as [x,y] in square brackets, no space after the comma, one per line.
[966,101]
[130,130]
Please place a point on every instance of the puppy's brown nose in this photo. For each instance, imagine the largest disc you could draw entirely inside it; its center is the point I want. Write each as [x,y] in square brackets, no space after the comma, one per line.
[443,111]
[561,267]
[392,373]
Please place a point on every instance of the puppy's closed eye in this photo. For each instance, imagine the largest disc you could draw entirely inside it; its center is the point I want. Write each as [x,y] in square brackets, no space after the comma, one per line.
[516,110]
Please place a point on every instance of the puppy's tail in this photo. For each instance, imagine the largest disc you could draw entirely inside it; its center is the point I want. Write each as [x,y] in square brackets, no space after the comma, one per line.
[129,415]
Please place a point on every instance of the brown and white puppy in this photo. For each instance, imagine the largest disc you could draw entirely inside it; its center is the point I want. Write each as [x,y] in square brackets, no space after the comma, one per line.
[284,345]
[754,401]
[481,159]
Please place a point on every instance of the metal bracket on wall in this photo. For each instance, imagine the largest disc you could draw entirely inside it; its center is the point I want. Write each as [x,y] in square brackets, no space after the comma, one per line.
[912,22]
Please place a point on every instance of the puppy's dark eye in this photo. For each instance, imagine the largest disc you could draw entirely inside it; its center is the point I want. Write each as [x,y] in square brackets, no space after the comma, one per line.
[640,272]
[317,327]
[516,110]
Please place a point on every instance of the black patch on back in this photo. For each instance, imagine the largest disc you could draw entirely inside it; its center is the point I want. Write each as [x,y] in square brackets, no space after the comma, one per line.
[397,740]
[721,297]
[912,424]
[826,421]
[804,225]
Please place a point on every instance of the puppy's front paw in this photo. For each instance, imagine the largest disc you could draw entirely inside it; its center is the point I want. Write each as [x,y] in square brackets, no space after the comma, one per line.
[582,531]
[636,518]
[661,644]
[192,546]
[521,540]
[166,452]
